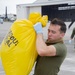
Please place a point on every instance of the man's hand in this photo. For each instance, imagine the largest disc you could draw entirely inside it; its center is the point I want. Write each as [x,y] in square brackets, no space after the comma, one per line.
[38,27]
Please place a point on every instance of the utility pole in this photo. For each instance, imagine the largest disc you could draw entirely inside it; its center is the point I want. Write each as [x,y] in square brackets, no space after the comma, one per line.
[6,17]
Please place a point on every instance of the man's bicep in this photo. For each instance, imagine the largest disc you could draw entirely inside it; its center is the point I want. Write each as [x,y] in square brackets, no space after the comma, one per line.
[51,50]
[59,50]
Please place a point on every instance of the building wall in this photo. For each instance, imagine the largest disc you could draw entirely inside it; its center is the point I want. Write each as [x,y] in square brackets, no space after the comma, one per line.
[22,12]
[35,9]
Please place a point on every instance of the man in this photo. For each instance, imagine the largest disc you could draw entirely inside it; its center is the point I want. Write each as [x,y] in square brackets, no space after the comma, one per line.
[72,36]
[53,52]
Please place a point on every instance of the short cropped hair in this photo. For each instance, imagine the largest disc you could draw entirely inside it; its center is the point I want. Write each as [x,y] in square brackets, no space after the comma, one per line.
[61,23]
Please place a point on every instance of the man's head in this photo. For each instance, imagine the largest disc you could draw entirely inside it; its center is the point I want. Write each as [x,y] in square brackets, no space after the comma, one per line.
[56,30]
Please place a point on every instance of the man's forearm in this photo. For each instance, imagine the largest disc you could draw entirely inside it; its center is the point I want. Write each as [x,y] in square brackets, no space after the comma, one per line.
[40,44]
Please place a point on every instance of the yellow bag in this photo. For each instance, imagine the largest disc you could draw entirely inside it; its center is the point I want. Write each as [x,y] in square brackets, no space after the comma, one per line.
[18,49]
[0,52]
[36,17]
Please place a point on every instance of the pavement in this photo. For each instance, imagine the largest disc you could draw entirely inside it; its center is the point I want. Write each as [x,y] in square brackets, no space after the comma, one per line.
[68,66]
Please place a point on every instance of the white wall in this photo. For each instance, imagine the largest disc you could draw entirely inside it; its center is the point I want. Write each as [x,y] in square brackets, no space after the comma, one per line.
[35,9]
[22,12]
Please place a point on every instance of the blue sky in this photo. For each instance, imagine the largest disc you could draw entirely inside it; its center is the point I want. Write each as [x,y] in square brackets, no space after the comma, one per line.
[11,5]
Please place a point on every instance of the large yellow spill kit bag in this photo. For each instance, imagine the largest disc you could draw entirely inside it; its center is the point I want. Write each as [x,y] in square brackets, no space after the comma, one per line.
[0,52]
[18,49]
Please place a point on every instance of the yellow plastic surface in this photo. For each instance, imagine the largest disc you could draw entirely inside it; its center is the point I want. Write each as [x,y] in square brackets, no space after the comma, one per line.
[0,52]
[36,17]
[18,49]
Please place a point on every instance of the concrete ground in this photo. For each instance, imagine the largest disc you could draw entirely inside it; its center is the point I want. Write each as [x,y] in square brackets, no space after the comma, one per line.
[68,66]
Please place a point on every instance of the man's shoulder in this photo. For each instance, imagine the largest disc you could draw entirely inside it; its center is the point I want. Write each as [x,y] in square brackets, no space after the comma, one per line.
[60,45]
[61,49]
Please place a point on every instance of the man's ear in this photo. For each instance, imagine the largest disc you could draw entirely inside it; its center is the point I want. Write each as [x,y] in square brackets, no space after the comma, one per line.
[62,34]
